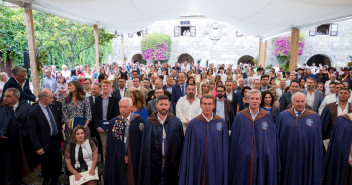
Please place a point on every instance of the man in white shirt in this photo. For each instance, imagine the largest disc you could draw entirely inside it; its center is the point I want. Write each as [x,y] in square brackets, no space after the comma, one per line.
[290,78]
[187,107]
[330,98]
[222,75]
[65,72]
[281,89]
[327,84]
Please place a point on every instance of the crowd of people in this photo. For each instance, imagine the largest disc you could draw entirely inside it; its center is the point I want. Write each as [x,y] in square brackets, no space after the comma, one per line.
[179,124]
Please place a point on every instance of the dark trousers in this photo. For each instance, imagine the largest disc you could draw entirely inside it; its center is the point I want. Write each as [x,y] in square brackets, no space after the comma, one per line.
[10,162]
[51,161]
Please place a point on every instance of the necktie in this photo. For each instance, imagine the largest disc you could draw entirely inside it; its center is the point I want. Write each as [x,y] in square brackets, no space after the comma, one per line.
[126,135]
[299,114]
[183,90]
[52,122]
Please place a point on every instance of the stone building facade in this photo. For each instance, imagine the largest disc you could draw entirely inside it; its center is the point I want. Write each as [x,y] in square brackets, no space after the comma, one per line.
[219,42]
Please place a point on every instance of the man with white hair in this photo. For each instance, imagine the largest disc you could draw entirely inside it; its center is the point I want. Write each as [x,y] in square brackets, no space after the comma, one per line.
[123,146]
[253,145]
[300,139]
[327,84]
[65,72]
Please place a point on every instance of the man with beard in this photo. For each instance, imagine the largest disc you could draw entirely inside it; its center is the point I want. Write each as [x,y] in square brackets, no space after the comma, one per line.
[206,140]
[223,106]
[313,96]
[300,144]
[333,110]
[338,161]
[285,100]
[187,107]
[253,157]
[122,146]
[161,147]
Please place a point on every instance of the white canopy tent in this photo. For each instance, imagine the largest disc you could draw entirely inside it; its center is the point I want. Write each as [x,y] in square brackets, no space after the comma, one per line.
[262,18]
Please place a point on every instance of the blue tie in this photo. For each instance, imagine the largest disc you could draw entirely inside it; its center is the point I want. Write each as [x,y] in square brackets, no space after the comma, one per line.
[52,122]
[183,90]
[299,114]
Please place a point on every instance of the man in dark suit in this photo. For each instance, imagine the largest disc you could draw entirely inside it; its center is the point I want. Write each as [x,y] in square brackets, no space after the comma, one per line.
[231,95]
[16,151]
[151,96]
[106,107]
[285,100]
[95,90]
[121,89]
[19,82]
[179,89]
[151,106]
[45,131]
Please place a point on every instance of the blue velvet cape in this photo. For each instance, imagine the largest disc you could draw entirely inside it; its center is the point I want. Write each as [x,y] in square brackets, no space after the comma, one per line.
[301,148]
[253,158]
[336,168]
[205,152]
[116,171]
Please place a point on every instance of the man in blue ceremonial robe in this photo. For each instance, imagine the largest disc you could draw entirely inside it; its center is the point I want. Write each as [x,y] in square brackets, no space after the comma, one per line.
[122,146]
[204,157]
[338,159]
[300,144]
[253,158]
[161,146]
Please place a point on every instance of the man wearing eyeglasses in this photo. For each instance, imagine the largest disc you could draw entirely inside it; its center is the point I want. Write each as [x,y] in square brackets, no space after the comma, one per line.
[206,139]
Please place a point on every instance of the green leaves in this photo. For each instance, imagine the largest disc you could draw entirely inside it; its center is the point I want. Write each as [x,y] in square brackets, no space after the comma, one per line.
[58,41]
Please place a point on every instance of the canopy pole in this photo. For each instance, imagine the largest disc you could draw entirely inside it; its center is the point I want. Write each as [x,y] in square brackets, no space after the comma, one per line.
[262,52]
[28,19]
[294,48]
[122,49]
[96,41]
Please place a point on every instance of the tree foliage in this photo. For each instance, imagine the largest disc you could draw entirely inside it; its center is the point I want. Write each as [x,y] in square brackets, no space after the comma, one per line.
[58,41]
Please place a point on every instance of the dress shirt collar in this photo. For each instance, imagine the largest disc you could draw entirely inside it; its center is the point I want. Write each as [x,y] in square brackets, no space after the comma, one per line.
[162,121]
[208,120]
[254,115]
[20,83]
[300,112]
[15,106]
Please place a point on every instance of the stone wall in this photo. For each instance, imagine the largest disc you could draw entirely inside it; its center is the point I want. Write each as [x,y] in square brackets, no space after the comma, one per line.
[336,48]
[227,47]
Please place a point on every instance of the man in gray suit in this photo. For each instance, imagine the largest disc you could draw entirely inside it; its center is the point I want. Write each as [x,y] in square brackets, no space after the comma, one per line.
[136,84]
[151,107]
[285,100]
[313,96]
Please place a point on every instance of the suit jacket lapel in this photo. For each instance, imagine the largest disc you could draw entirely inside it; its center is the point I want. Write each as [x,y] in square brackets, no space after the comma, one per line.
[42,115]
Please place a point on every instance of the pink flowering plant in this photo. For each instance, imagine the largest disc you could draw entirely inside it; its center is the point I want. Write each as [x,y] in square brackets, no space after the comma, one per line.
[156,46]
[281,47]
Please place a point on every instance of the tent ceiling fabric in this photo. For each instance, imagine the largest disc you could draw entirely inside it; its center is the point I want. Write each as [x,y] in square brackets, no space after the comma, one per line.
[261,18]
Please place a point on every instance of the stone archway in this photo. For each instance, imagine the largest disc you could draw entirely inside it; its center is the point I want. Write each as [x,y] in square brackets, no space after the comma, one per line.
[185,57]
[245,59]
[138,58]
[319,59]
